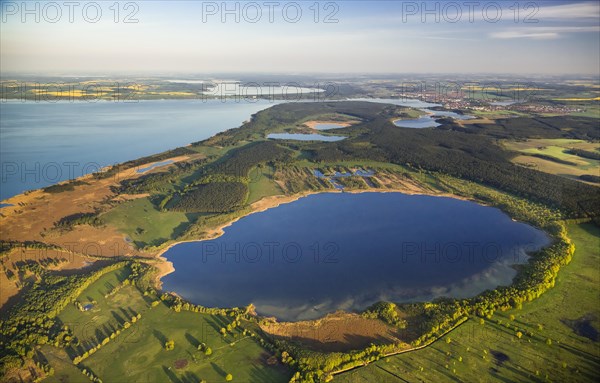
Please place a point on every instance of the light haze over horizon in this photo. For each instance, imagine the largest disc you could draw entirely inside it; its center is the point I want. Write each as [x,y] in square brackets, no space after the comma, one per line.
[368,37]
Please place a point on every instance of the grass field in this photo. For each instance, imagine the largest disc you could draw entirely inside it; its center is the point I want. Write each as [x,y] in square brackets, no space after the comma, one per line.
[262,184]
[494,114]
[64,369]
[492,352]
[555,148]
[409,114]
[143,358]
[364,164]
[590,110]
[138,353]
[108,313]
[145,225]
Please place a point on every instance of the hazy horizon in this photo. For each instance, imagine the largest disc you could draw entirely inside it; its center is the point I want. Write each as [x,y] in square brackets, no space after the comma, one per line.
[344,37]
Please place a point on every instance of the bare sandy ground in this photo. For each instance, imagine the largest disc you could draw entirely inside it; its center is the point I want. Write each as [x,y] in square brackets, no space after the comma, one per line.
[34,214]
[337,332]
[341,124]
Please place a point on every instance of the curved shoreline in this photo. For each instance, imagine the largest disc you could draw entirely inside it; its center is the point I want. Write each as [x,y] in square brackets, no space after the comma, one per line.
[270,202]
[166,267]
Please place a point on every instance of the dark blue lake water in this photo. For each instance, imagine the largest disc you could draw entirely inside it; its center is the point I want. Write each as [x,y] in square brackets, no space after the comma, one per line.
[304,137]
[346,251]
[44,143]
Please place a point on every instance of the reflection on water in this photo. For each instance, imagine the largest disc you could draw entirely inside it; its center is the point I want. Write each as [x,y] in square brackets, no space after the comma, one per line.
[347,251]
[62,140]
[429,120]
[326,126]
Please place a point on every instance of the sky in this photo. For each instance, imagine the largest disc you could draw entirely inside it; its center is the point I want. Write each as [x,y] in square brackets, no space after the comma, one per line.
[336,37]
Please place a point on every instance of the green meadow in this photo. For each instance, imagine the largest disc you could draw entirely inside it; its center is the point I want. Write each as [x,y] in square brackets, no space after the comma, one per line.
[144,224]
[262,184]
[548,340]
[138,353]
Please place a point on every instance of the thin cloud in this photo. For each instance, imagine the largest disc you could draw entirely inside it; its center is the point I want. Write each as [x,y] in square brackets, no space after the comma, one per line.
[586,10]
[529,12]
[447,38]
[541,33]
[525,35]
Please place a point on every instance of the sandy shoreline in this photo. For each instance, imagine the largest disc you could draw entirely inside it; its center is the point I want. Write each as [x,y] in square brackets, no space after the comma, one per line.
[266,203]
[132,172]
[164,266]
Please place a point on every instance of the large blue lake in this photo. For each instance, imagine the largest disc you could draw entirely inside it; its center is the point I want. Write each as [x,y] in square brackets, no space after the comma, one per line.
[346,251]
[43,143]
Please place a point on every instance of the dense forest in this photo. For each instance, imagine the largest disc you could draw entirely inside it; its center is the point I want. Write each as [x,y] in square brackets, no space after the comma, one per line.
[472,153]
[215,197]
[160,181]
[240,161]
[581,128]
[221,186]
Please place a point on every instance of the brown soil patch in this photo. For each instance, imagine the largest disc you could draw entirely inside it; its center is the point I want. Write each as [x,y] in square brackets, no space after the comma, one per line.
[181,363]
[337,332]
[34,214]
[272,361]
[27,373]
[129,197]
[68,263]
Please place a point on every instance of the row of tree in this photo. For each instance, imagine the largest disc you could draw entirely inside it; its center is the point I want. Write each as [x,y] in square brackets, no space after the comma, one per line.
[33,321]
[70,221]
[585,154]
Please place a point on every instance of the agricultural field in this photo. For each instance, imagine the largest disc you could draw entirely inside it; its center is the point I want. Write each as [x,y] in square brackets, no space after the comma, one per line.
[553,338]
[590,110]
[493,114]
[552,156]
